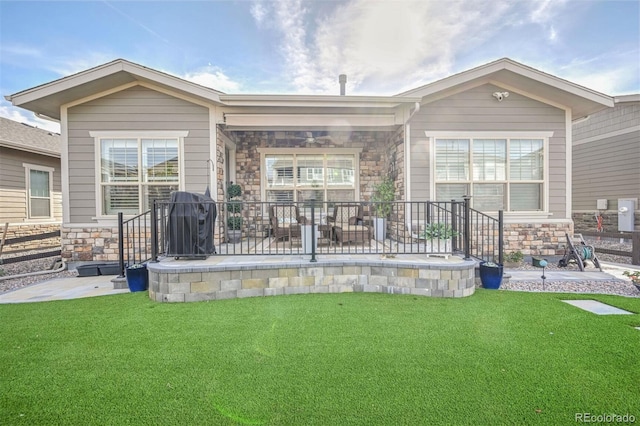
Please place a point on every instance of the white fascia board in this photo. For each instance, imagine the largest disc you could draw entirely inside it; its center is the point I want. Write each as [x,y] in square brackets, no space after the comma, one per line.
[105,70]
[65,83]
[486,70]
[627,98]
[310,120]
[33,150]
[559,83]
[171,81]
[317,101]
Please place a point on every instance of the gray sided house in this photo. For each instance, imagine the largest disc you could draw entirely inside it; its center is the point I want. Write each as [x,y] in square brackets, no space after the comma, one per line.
[500,132]
[30,179]
[606,164]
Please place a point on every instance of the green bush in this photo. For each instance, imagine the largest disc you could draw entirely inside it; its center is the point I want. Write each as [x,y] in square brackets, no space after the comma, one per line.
[383,195]
[441,231]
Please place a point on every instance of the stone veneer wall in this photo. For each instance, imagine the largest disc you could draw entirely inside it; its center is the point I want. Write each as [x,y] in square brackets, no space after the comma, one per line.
[90,244]
[586,221]
[536,239]
[379,149]
[189,284]
[28,229]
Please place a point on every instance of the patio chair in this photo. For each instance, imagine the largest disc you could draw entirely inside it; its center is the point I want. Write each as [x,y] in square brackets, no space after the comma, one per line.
[285,221]
[348,225]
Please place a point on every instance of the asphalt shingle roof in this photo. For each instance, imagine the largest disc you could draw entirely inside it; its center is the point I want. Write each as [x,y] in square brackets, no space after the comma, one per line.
[27,138]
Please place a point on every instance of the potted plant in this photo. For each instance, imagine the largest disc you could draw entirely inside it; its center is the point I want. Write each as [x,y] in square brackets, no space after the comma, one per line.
[491,275]
[383,195]
[234,210]
[438,236]
[137,277]
[513,259]
[635,277]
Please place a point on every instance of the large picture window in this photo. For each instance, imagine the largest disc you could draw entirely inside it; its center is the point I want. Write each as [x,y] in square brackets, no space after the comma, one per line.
[301,176]
[135,171]
[500,174]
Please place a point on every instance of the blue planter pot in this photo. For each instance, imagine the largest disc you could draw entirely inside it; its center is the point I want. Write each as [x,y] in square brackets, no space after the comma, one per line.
[137,279]
[491,276]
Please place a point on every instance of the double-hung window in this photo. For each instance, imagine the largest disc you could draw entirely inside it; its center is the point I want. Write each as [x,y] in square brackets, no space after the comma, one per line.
[134,171]
[39,184]
[499,173]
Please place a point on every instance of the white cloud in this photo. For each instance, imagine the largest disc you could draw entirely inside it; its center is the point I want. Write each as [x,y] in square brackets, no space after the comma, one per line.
[617,77]
[9,111]
[70,65]
[378,44]
[214,78]
[259,13]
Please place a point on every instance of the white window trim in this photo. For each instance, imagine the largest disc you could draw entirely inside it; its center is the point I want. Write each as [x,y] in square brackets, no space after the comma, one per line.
[544,135]
[27,171]
[124,134]
[304,151]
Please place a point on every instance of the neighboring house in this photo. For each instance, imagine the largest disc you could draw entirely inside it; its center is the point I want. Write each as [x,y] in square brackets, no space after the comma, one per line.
[30,179]
[500,132]
[606,163]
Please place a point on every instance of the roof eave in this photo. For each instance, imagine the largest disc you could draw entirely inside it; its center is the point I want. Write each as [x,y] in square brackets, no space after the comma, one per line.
[33,150]
[486,71]
[36,98]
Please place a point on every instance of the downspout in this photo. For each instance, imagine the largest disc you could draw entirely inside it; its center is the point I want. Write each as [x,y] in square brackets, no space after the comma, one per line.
[407,159]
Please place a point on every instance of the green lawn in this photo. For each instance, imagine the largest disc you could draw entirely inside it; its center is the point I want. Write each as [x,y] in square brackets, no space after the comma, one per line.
[496,357]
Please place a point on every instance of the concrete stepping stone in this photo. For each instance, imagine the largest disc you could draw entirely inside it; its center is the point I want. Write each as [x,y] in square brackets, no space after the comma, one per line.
[597,308]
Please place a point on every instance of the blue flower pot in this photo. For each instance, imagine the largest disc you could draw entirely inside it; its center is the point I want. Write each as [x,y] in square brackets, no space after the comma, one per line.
[137,279]
[491,276]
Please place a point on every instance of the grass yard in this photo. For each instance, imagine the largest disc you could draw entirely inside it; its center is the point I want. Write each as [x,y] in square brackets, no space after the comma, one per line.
[496,357]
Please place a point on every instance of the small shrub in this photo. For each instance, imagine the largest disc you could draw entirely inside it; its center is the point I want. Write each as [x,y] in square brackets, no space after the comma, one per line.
[435,231]
[514,256]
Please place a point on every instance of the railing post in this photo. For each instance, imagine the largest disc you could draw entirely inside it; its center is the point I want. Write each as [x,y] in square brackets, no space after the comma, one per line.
[635,248]
[500,236]
[454,225]
[313,230]
[121,244]
[467,228]
[154,233]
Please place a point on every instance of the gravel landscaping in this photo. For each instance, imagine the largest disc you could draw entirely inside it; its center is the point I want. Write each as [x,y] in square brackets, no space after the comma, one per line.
[621,286]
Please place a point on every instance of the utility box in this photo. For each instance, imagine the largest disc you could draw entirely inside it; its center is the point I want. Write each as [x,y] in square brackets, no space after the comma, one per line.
[626,214]
[601,204]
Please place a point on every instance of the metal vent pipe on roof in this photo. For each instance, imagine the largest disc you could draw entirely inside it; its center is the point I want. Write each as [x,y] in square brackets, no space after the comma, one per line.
[342,78]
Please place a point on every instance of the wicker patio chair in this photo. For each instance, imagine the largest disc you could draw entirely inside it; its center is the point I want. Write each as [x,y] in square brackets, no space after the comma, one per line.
[348,225]
[285,221]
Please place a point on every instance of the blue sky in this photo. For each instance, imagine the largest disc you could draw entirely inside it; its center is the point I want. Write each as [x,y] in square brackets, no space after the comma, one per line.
[294,46]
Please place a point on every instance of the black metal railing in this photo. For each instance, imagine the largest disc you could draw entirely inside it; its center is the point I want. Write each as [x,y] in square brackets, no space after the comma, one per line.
[135,239]
[312,228]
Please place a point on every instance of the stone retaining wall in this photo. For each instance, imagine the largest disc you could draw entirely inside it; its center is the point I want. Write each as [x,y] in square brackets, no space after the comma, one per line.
[447,279]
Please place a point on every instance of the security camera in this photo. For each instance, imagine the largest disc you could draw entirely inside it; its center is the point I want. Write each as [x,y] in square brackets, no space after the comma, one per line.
[500,95]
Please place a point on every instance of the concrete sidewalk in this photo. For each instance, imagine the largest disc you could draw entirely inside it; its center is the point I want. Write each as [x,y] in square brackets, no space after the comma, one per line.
[63,288]
[78,287]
